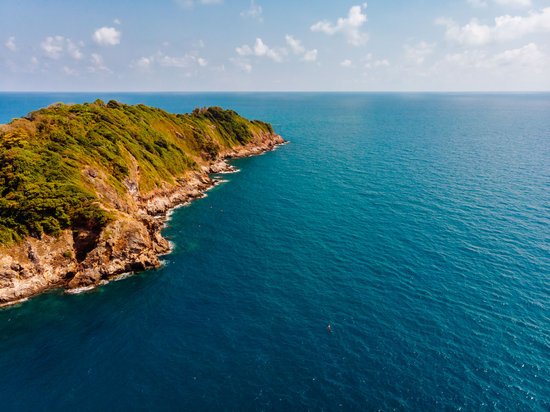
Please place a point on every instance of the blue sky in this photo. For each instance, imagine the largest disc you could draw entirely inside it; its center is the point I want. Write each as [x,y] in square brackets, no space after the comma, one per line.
[283,45]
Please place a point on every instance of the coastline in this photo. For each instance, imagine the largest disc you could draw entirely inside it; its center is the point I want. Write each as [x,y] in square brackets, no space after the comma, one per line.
[130,244]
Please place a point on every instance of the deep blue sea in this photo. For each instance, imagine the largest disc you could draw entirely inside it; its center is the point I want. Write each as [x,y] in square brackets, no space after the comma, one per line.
[416,225]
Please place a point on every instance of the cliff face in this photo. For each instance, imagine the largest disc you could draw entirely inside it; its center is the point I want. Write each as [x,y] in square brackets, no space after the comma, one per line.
[116,171]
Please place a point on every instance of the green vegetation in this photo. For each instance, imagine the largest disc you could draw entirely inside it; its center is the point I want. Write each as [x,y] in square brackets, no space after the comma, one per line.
[43,157]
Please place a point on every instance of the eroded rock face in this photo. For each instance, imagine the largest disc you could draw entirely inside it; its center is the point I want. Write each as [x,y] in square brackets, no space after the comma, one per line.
[35,265]
[130,243]
[125,245]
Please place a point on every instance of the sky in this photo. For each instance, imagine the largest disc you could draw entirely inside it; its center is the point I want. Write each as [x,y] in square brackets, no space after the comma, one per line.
[275,45]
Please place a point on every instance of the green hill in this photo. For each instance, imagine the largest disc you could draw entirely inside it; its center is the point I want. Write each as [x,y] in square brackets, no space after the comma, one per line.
[46,157]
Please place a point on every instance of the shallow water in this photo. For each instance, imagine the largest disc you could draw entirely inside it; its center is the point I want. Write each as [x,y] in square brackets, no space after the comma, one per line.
[417,225]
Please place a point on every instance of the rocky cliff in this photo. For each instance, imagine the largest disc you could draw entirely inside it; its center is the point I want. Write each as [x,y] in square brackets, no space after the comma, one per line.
[84,189]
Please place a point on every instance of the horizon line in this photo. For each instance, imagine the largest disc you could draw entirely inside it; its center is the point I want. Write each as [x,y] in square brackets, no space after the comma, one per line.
[283,91]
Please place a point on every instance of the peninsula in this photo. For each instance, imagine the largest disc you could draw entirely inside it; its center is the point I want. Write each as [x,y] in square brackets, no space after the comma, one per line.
[85,188]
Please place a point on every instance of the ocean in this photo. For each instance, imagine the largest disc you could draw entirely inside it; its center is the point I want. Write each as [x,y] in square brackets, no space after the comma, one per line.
[416,225]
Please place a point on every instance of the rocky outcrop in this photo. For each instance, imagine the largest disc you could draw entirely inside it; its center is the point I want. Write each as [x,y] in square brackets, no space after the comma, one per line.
[36,265]
[131,242]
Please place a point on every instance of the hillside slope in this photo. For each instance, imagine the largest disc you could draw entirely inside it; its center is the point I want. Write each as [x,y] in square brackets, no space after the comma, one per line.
[84,188]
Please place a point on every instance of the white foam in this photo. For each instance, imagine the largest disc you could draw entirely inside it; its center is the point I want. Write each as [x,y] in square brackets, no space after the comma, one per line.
[76,291]
[13,303]
[103,282]
[122,276]
[171,248]
[171,211]
[231,169]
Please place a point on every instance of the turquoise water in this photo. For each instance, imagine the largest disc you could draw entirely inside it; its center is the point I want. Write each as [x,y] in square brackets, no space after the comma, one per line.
[417,225]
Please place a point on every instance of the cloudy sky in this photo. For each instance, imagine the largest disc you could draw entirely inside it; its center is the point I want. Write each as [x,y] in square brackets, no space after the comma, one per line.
[279,45]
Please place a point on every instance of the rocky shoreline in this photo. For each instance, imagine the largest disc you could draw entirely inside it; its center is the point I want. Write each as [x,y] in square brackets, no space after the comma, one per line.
[132,242]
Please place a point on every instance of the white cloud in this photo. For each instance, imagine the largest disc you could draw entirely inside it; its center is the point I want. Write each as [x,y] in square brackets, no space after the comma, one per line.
[97,64]
[346,63]
[513,3]
[478,3]
[185,61]
[349,26]
[144,62]
[418,53]
[106,36]
[253,12]
[55,46]
[175,61]
[372,63]
[187,4]
[10,44]
[527,57]
[73,50]
[505,28]
[504,3]
[260,49]
[381,63]
[244,50]
[117,21]
[294,44]
[310,56]
[297,48]
[69,71]
[242,64]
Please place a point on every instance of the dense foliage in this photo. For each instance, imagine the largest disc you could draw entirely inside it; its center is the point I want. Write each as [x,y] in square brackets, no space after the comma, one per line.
[43,157]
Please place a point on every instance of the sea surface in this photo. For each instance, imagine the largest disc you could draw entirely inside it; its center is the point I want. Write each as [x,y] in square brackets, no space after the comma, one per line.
[416,225]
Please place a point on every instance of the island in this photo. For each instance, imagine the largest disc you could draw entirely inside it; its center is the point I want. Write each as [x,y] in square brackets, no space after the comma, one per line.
[85,188]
